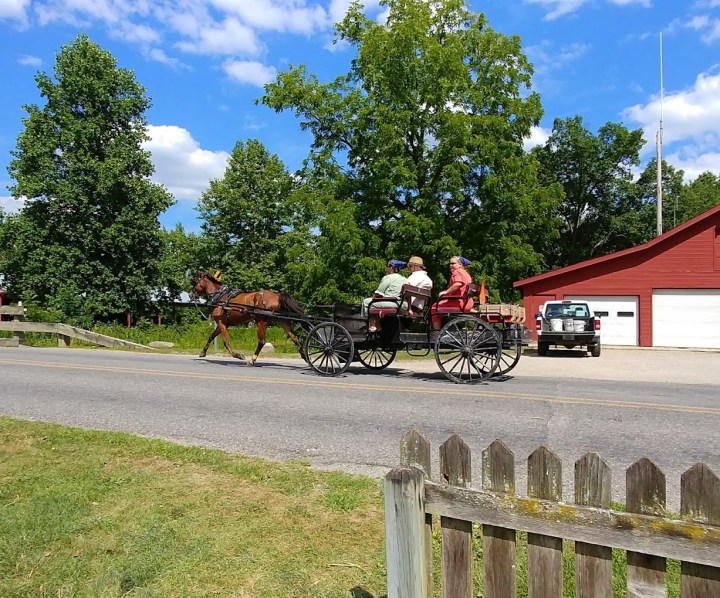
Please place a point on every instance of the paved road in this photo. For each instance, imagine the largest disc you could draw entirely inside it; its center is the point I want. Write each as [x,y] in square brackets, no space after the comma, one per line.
[627,404]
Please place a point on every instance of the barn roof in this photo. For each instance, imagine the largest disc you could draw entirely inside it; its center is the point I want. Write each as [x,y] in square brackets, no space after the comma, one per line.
[664,238]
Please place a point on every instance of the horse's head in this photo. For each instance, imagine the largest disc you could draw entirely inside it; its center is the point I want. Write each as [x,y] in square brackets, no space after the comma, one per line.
[203,284]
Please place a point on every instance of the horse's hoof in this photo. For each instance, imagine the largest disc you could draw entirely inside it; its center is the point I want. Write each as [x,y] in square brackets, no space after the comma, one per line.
[252,360]
[202,355]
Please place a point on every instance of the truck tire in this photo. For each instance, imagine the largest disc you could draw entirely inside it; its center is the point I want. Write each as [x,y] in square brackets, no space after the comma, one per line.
[595,350]
[543,348]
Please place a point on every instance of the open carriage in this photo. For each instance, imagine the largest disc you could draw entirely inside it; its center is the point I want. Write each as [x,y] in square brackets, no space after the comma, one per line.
[474,343]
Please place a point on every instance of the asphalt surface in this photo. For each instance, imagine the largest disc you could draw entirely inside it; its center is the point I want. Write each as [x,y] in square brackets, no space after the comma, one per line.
[627,404]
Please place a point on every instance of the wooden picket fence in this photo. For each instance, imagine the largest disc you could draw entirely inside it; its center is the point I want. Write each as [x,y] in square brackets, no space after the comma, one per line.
[412,499]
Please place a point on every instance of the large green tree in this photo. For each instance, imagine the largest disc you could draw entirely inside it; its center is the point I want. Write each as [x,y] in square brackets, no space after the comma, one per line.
[424,136]
[87,242]
[252,216]
[595,172]
[699,196]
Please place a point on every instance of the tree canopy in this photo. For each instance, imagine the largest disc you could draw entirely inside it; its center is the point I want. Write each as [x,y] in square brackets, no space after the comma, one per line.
[87,242]
[595,172]
[424,137]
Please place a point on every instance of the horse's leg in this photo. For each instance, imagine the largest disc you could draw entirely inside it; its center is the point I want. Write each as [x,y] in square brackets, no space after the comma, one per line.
[226,341]
[261,328]
[293,337]
[210,339]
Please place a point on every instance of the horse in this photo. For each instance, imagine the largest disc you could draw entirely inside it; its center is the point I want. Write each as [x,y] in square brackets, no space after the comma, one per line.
[232,308]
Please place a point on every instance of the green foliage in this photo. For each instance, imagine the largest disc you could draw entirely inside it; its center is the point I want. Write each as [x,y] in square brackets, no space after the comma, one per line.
[424,139]
[697,197]
[181,255]
[87,243]
[251,217]
[596,177]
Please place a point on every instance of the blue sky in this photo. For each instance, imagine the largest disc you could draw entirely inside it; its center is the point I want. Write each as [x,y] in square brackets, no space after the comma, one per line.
[203,62]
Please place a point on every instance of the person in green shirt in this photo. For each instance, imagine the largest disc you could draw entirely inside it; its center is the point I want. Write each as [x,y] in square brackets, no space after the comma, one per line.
[390,287]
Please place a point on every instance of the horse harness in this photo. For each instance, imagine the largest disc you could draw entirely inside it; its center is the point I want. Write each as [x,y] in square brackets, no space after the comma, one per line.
[229,294]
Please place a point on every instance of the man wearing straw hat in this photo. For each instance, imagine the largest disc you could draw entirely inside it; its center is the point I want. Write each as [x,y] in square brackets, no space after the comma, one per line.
[418,278]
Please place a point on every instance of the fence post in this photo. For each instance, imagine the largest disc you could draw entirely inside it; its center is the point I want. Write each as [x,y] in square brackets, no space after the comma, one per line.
[405,532]
[499,548]
[20,318]
[593,563]
[544,552]
[415,452]
[700,499]
[645,489]
[455,468]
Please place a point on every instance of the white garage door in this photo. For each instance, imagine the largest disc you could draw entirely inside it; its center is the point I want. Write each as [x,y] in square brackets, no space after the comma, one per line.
[686,318]
[618,317]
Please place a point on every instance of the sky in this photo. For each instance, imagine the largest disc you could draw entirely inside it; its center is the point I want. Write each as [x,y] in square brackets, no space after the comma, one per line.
[204,63]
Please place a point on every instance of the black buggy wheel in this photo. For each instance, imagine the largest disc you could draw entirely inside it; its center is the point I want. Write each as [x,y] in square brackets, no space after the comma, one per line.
[509,357]
[329,349]
[376,358]
[467,350]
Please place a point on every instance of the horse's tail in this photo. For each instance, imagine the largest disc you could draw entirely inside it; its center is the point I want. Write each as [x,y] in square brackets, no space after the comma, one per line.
[288,304]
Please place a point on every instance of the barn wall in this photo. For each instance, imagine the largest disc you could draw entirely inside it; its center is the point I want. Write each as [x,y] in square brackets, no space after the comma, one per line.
[689,259]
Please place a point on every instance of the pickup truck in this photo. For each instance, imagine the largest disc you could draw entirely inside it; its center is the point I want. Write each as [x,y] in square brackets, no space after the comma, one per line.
[567,324]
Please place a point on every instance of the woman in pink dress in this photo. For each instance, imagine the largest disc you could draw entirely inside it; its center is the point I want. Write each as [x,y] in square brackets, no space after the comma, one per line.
[459,279]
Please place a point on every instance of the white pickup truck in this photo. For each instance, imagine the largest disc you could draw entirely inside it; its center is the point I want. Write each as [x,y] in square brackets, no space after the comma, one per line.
[567,324]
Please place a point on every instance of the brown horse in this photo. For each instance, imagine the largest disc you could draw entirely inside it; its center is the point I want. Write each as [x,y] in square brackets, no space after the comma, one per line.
[232,308]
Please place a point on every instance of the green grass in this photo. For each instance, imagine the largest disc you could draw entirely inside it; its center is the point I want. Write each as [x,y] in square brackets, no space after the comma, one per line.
[87,513]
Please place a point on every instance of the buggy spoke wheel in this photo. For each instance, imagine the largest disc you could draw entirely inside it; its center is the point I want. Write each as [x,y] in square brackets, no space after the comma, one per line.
[467,350]
[329,349]
[509,358]
[376,358]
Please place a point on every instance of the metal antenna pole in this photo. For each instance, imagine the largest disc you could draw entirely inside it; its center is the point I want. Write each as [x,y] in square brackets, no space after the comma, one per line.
[658,143]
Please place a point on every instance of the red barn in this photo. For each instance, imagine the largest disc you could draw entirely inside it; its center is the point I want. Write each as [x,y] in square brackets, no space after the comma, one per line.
[665,293]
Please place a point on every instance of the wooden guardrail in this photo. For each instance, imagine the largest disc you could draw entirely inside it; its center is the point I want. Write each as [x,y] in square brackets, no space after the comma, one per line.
[65,332]
[411,500]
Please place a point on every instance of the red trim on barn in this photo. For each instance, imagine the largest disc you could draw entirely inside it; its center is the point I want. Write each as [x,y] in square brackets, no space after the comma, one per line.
[687,257]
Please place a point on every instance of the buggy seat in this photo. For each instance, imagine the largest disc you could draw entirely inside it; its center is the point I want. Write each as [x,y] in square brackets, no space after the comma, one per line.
[465,301]
[409,295]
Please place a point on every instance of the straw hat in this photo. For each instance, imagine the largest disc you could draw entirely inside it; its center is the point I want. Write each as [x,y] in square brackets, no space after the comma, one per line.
[417,261]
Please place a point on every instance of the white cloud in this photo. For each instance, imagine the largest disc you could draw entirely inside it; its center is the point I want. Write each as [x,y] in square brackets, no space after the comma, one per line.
[538,136]
[181,164]
[15,10]
[558,8]
[250,71]
[135,33]
[285,15]
[545,57]
[10,205]
[229,37]
[691,119]
[693,163]
[27,60]
[158,55]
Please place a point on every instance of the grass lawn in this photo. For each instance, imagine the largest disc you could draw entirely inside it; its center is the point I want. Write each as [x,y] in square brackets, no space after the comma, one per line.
[87,513]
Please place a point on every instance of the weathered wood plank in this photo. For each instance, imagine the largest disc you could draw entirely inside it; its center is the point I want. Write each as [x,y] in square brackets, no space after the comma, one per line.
[71,331]
[404,532]
[499,547]
[681,540]
[645,491]
[700,501]
[593,564]
[415,452]
[544,552]
[455,470]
